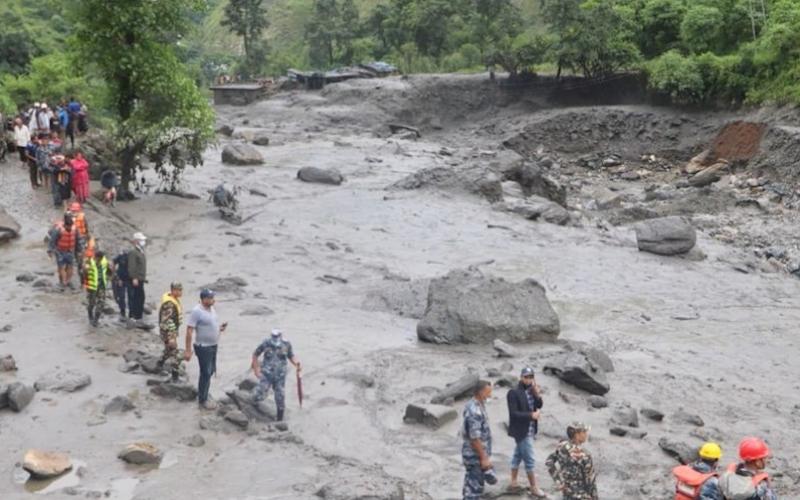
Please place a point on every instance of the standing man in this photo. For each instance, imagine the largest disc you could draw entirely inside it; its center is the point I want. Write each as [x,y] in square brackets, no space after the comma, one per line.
[96,277]
[476,451]
[571,466]
[170,317]
[64,245]
[524,403]
[137,276]
[22,136]
[272,373]
[748,479]
[203,320]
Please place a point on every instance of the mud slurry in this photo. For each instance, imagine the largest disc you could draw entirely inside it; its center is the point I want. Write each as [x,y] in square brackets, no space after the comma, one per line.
[691,334]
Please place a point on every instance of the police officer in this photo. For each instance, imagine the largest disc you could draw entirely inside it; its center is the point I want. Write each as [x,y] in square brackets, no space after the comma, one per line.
[272,372]
[476,450]
[570,465]
[170,317]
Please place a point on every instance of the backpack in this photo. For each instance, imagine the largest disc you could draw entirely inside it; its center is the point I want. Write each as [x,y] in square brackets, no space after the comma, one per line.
[736,487]
[121,266]
[689,482]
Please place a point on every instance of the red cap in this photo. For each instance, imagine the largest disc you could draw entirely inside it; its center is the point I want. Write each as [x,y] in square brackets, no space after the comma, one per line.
[752,448]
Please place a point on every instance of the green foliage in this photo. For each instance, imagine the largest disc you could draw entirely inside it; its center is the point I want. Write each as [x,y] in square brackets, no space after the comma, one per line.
[248,19]
[17,48]
[331,32]
[676,75]
[701,28]
[160,111]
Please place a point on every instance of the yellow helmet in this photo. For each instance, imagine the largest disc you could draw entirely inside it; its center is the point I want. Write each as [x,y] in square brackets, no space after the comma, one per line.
[710,451]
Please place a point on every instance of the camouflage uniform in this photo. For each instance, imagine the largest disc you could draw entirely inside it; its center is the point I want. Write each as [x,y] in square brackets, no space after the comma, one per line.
[710,489]
[571,466]
[169,323]
[476,426]
[273,370]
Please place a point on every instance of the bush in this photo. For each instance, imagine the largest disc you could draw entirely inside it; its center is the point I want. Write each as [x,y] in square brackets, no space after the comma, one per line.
[701,27]
[676,75]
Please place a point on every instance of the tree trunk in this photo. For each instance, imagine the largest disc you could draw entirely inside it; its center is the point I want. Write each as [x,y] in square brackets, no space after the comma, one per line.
[128,174]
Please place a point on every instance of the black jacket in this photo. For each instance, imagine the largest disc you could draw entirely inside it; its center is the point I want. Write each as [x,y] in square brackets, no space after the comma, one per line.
[519,413]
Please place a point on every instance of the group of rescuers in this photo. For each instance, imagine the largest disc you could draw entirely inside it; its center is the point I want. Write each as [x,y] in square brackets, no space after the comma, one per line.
[72,245]
[571,467]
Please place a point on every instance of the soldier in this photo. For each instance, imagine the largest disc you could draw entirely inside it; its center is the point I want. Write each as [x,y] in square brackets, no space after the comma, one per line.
[95,272]
[272,372]
[476,451]
[571,467]
[170,316]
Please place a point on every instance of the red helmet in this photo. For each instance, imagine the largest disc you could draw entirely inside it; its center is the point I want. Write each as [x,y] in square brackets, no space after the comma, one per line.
[75,207]
[752,448]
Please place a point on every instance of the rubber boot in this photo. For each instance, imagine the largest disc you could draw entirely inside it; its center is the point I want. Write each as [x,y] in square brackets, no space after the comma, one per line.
[280,415]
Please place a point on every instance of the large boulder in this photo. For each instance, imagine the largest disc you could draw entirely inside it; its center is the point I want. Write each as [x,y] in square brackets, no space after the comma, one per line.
[467,307]
[665,236]
[19,396]
[45,464]
[433,416]
[320,175]
[9,227]
[536,182]
[140,453]
[241,154]
[536,208]
[575,369]
[63,381]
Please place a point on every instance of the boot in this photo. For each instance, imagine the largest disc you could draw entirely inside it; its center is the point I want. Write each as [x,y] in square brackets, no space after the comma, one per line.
[280,415]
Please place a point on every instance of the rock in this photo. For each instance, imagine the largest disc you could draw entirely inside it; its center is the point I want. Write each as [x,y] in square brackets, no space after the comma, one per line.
[665,236]
[467,307]
[243,135]
[257,311]
[7,364]
[260,139]
[128,366]
[506,367]
[618,431]
[681,452]
[63,381]
[211,423]
[507,381]
[626,416]
[46,464]
[477,182]
[433,416]
[120,404]
[320,175]
[504,350]
[238,418]
[493,372]
[281,426]
[228,284]
[259,411]
[132,355]
[536,207]
[26,277]
[41,283]
[3,396]
[708,175]
[597,401]
[181,391]
[150,364]
[683,417]
[19,396]
[698,163]
[596,357]
[196,441]
[458,389]
[371,488]
[627,431]
[248,383]
[397,128]
[140,454]
[225,130]
[573,368]
[9,227]
[536,182]
[652,414]
[241,154]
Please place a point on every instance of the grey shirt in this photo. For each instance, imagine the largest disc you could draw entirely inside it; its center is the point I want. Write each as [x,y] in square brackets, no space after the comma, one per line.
[206,325]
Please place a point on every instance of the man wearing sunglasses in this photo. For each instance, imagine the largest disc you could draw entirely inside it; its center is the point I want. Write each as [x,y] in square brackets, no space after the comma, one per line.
[524,403]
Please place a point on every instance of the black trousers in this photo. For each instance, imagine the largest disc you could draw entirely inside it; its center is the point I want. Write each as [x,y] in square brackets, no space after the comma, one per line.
[136,300]
[121,296]
[207,359]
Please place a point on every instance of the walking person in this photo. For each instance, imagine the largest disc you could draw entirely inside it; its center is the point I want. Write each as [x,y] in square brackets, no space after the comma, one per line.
[524,404]
[170,317]
[748,480]
[204,321]
[276,351]
[95,281]
[571,467]
[22,137]
[476,450]
[120,283]
[64,245]
[80,176]
[45,170]
[137,277]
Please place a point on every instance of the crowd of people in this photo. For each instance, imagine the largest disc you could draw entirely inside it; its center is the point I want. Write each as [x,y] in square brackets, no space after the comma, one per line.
[571,467]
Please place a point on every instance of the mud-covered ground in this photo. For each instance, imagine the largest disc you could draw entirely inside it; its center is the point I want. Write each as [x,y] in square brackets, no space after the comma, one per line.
[714,335]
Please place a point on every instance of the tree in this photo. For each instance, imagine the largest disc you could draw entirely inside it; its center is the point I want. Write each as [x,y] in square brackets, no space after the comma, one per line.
[248,19]
[321,32]
[701,28]
[676,75]
[160,112]
[16,50]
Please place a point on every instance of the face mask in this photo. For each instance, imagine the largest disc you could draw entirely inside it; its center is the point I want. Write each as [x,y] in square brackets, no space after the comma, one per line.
[141,244]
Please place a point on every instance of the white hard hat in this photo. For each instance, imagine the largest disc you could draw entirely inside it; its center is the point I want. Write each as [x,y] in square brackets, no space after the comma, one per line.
[139,237]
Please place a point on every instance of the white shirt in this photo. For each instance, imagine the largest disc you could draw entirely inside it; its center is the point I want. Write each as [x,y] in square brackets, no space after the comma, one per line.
[22,136]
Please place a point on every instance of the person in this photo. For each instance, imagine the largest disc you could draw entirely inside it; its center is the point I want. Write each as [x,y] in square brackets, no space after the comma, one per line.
[61,178]
[30,158]
[22,136]
[80,176]
[272,372]
[570,465]
[63,123]
[203,320]
[120,283]
[476,449]
[137,276]
[43,165]
[699,480]
[108,179]
[56,144]
[64,244]
[747,480]
[79,217]
[170,317]
[31,121]
[95,281]
[43,120]
[524,405]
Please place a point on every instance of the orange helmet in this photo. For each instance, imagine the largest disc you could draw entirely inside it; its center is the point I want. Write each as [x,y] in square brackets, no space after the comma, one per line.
[752,448]
[75,207]
[90,248]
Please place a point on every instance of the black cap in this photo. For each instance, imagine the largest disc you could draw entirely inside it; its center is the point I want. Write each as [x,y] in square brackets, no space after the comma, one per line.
[207,293]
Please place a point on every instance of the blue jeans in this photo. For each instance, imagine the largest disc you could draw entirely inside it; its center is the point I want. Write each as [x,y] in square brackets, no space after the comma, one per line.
[523,452]
[207,359]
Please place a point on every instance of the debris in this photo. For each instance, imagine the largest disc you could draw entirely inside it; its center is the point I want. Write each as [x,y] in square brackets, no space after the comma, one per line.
[63,381]
[573,368]
[503,349]
[397,128]
[458,389]
[433,416]
[120,404]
